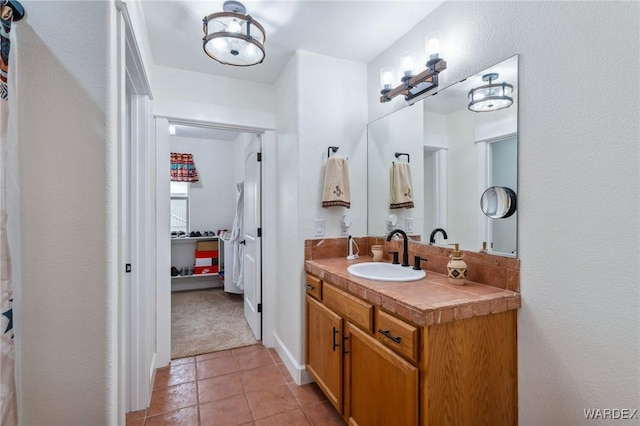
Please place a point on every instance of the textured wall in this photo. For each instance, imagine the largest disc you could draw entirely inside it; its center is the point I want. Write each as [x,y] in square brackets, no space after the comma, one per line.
[321,101]
[67,323]
[287,330]
[579,187]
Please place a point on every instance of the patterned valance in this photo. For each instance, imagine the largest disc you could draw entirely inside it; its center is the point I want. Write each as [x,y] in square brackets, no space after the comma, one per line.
[183,169]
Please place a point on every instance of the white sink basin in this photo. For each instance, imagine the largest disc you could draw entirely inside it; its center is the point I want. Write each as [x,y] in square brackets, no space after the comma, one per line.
[381,271]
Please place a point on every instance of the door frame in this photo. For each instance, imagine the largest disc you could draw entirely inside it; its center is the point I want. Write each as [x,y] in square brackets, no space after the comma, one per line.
[483,167]
[136,324]
[163,247]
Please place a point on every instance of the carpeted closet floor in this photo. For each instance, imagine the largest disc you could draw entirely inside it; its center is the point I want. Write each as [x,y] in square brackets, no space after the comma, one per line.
[204,321]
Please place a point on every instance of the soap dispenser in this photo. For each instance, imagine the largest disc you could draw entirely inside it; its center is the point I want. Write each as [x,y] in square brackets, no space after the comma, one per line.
[457,267]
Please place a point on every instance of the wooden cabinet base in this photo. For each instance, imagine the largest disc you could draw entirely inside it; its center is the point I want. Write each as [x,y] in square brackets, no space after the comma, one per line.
[379,370]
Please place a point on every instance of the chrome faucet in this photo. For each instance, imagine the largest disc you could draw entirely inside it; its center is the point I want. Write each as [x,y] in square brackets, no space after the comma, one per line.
[405,245]
[432,238]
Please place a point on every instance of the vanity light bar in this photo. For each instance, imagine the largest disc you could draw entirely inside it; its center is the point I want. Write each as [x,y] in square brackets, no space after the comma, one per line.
[417,85]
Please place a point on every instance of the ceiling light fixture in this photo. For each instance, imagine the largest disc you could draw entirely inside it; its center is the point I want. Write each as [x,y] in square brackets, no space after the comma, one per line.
[413,85]
[490,97]
[232,37]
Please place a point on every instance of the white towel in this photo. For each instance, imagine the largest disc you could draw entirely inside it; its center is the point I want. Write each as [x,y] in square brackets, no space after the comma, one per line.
[401,186]
[336,190]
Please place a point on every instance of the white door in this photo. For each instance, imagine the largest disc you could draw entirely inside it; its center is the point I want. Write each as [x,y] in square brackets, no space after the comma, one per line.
[252,233]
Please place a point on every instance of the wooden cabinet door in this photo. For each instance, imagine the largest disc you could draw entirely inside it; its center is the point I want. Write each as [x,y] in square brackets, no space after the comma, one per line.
[324,349]
[382,387]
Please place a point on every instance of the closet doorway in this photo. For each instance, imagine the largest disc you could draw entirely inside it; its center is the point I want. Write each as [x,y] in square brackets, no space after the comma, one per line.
[205,228]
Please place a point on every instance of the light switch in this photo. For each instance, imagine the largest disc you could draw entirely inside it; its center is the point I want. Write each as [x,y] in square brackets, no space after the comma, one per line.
[319,227]
[409,224]
[346,224]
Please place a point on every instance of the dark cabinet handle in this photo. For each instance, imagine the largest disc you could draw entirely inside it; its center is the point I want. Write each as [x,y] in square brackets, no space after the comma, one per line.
[309,286]
[335,345]
[244,242]
[344,346]
[386,333]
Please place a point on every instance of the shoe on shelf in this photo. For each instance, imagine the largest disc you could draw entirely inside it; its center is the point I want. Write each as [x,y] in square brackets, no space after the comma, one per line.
[174,271]
[192,234]
[198,234]
[181,234]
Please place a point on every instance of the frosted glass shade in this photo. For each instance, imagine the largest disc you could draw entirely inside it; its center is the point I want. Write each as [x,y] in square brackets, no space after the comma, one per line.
[234,39]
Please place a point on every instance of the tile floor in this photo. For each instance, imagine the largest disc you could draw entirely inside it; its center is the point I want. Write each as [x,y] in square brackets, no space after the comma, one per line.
[244,386]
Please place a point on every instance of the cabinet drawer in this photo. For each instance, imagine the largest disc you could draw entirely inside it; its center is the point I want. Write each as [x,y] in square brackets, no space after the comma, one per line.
[397,335]
[355,310]
[314,286]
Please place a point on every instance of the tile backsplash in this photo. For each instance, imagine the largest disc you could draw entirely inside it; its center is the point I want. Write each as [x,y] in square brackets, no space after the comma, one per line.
[497,271]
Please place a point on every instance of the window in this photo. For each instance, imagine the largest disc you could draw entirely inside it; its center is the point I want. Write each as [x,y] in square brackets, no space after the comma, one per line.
[179,206]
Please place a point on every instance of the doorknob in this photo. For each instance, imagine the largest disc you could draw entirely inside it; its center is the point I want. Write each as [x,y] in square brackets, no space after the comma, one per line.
[243,242]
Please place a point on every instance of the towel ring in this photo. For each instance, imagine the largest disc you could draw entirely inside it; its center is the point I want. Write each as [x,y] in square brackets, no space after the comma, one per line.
[398,154]
[333,149]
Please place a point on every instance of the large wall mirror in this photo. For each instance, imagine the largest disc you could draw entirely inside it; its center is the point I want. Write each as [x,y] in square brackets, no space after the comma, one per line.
[455,155]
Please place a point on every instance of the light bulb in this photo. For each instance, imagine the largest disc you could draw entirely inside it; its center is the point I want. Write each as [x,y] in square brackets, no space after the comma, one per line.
[408,63]
[219,43]
[386,78]
[234,26]
[433,45]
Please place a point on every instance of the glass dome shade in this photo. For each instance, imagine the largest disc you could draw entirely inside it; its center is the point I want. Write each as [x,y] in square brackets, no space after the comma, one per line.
[234,39]
[491,97]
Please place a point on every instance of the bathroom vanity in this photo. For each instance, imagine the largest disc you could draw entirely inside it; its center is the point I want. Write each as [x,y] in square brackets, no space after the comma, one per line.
[423,352]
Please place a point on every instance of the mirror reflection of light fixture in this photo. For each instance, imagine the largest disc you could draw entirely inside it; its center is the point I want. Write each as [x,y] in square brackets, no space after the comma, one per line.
[232,37]
[490,97]
[413,85]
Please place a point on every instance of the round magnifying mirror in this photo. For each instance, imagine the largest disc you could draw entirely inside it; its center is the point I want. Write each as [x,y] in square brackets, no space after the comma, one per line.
[498,202]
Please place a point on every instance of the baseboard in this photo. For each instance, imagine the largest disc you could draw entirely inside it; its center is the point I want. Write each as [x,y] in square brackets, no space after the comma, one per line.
[297,371]
[195,284]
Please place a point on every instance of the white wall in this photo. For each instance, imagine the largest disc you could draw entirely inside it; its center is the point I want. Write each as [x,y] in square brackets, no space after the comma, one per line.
[578,328]
[68,318]
[321,101]
[288,332]
[212,200]
[196,96]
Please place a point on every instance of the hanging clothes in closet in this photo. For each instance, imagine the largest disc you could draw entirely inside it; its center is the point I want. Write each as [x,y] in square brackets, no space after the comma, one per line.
[237,236]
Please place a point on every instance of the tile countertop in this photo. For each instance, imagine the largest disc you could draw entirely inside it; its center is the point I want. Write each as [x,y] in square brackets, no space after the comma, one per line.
[431,300]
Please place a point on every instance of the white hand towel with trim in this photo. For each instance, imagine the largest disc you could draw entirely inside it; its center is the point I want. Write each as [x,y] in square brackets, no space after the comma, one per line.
[401,186]
[336,190]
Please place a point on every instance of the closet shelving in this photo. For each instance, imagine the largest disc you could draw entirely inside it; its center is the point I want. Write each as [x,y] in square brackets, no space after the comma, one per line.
[192,248]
